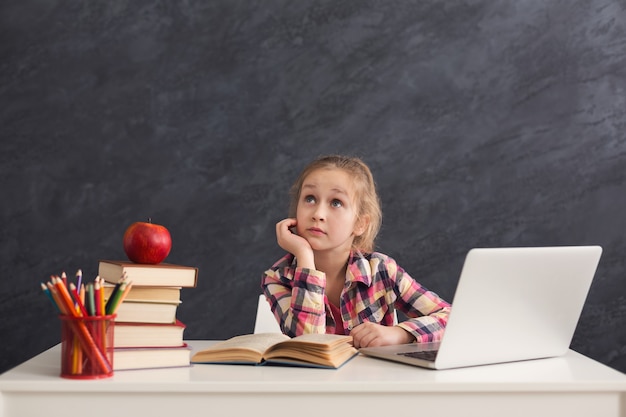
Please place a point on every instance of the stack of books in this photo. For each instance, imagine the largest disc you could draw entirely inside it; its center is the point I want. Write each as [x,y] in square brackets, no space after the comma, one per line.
[147,332]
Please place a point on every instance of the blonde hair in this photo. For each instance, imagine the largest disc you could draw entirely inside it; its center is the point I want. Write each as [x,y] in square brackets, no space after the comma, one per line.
[366,197]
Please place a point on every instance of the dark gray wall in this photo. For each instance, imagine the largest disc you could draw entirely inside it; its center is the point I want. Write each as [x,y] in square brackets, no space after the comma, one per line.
[486,123]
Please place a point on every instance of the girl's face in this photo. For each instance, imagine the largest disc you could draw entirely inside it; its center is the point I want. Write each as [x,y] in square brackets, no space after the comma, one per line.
[326,213]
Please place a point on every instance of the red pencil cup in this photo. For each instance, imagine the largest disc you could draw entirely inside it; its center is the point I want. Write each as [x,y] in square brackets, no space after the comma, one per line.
[87,346]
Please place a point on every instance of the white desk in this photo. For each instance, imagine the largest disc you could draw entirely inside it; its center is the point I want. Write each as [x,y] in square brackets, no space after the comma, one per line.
[572,385]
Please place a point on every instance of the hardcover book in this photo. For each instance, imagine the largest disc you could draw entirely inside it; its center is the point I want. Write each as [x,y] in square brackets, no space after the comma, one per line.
[155,357]
[147,294]
[163,274]
[146,312]
[148,334]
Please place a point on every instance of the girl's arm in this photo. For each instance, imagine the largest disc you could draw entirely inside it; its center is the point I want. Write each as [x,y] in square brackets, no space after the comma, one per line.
[296,296]
[427,312]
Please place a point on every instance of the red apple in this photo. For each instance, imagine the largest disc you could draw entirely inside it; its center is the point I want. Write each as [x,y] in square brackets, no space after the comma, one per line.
[147,243]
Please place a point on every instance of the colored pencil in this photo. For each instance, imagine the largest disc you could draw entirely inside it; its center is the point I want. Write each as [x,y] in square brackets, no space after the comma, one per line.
[129,285]
[91,302]
[55,296]
[97,293]
[79,279]
[119,298]
[81,293]
[46,290]
[64,296]
[102,302]
[77,300]
[115,293]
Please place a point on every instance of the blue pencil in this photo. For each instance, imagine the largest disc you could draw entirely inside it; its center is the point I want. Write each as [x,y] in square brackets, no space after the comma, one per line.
[46,290]
[79,278]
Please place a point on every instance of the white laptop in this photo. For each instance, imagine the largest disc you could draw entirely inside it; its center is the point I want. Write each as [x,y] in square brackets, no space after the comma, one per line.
[511,304]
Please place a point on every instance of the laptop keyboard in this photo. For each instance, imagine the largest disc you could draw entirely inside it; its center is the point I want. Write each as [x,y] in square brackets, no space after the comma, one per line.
[428,355]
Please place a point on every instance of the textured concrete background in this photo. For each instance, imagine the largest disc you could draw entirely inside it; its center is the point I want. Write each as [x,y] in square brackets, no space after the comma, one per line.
[486,123]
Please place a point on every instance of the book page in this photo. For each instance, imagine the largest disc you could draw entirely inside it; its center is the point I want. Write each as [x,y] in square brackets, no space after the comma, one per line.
[323,349]
[328,350]
[258,342]
[245,348]
[324,340]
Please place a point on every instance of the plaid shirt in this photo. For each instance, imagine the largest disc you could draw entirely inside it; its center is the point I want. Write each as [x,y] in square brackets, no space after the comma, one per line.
[374,286]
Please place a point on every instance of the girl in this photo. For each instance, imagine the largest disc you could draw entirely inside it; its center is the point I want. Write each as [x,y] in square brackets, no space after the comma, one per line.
[331,280]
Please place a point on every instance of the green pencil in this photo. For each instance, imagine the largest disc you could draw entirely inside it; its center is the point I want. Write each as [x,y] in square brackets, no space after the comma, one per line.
[91,302]
[114,300]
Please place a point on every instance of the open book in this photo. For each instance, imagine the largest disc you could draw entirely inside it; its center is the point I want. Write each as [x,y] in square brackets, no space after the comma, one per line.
[309,350]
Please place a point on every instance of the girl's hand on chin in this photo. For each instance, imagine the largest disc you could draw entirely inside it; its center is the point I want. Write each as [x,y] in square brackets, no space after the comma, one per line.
[291,242]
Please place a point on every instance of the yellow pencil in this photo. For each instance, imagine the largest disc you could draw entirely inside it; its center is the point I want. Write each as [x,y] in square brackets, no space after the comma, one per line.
[77,357]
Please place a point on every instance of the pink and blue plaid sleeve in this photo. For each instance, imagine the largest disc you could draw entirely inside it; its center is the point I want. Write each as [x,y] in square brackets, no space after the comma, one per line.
[296,296]
[427,312]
